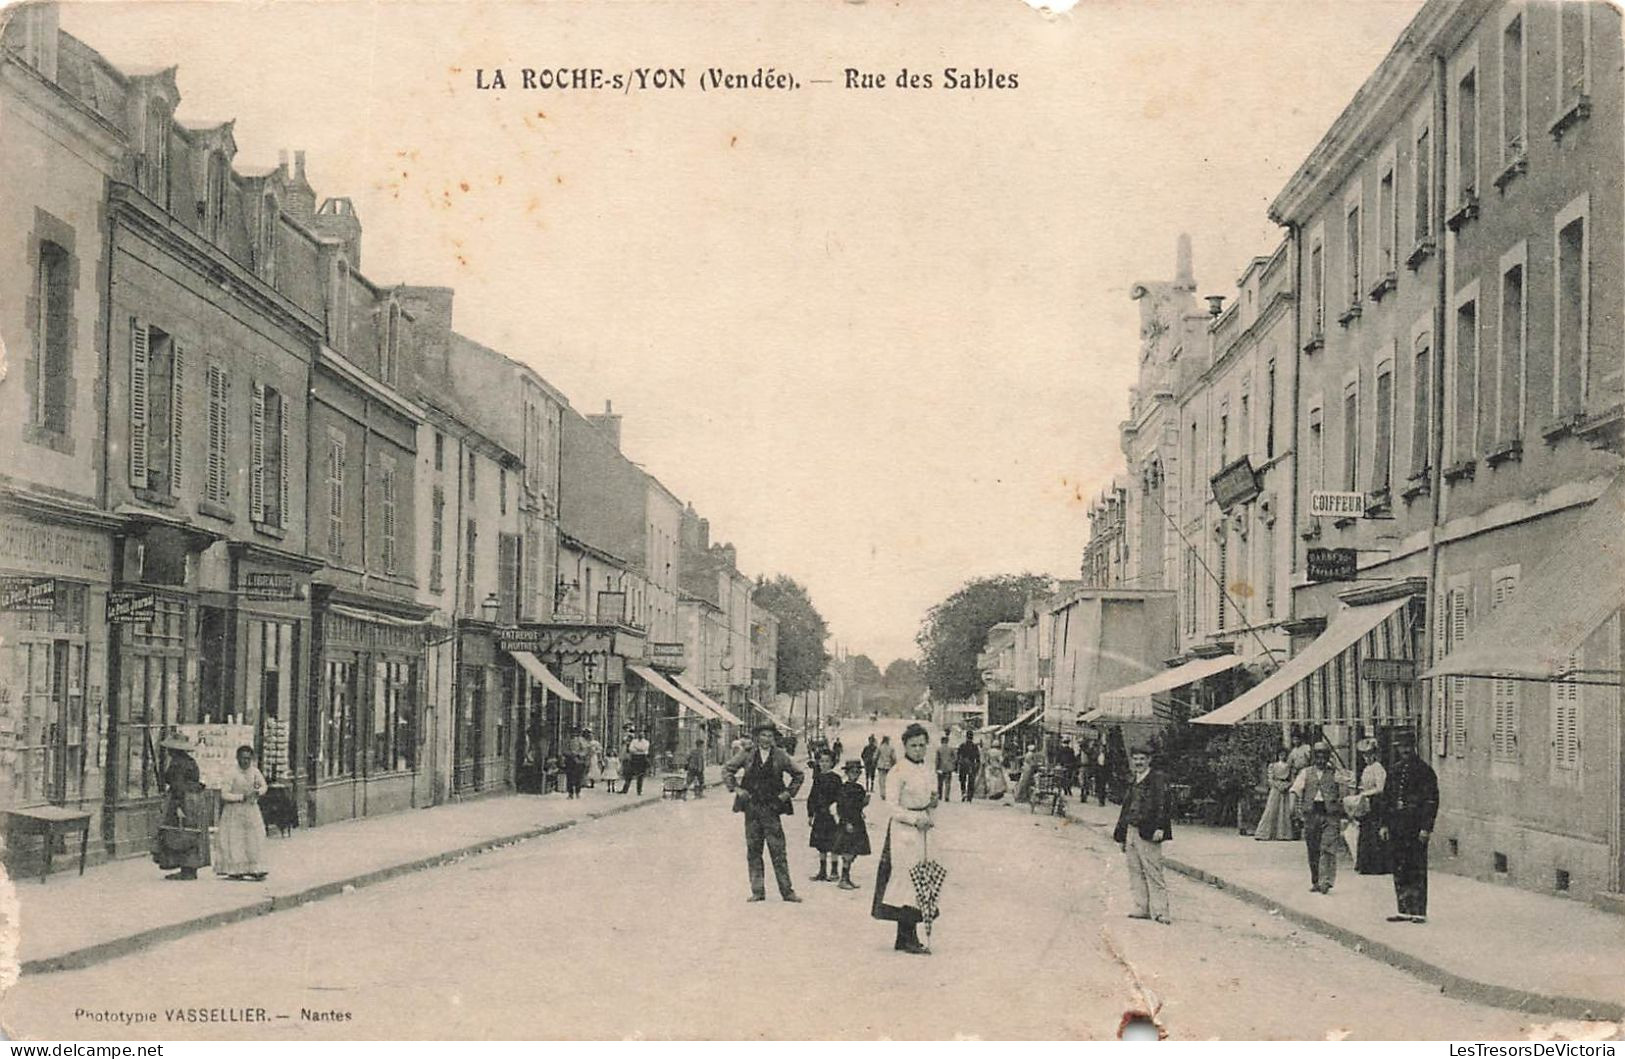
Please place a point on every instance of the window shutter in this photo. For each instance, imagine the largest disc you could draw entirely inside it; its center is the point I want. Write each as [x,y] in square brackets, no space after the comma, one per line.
[1505,691]
[256,480]
[1566,719]
[139,404]
[1459,618]
[177,405]
[283,459]
[1441,698]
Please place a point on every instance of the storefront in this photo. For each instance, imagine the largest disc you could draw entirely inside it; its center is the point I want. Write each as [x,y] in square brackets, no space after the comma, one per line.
[54,571]
[590,660]
[366,740]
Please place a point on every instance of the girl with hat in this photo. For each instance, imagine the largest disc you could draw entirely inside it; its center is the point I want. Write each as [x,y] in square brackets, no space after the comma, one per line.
[852,836]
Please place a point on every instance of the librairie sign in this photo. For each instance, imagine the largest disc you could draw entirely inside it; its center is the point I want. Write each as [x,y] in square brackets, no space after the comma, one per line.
[1323,504]
[263,585]
[27,593]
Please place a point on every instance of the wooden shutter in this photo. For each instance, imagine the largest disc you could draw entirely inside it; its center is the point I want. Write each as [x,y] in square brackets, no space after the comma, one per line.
[283,459]
[1566,719]
[335,496]
[387,486]
[256,479]
[140,374]
[177,413]
[1441,700]
[1504,693]
[1459,618]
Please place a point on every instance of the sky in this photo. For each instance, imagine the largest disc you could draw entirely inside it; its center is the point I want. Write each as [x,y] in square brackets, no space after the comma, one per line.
[880,337]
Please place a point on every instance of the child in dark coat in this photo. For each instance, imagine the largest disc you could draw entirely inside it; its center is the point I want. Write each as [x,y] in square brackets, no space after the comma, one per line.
[826,787]
[852,838]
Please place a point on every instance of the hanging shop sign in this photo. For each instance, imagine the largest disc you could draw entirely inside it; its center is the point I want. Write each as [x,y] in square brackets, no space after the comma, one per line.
[1235,484]
[27,593]
[1332,564]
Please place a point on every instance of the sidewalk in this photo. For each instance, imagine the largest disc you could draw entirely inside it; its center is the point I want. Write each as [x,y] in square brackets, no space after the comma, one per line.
[116,908]
[1483,942]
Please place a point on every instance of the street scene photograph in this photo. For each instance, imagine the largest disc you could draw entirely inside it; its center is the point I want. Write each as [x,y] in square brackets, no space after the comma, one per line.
[836,521]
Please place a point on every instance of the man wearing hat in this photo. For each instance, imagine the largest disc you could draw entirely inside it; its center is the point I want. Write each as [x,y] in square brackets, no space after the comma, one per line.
[757,776]
[1320,791]
[182,843]
[1143,825]
[1412,803]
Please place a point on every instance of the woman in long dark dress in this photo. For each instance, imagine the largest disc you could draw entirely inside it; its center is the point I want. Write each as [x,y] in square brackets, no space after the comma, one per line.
[826,789]
[852,836]
[1371,852]
[182,844]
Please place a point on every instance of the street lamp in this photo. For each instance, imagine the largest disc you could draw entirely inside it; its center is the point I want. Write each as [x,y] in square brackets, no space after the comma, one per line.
[490,608]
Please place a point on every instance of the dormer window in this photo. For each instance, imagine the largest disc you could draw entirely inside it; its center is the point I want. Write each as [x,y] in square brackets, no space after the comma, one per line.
[215,202]
[341,308]
[155,154]
[389,344]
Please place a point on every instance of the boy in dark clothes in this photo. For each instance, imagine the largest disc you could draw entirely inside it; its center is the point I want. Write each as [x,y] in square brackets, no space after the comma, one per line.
[852,838]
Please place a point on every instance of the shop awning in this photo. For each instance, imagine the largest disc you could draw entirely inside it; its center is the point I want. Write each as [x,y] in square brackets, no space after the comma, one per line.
[966,707]
[665,687]
[713,705]
[1023,719]
[1323,684]
[1135,702]
[544,676]
[1577,586]
[377,617]
[763,710]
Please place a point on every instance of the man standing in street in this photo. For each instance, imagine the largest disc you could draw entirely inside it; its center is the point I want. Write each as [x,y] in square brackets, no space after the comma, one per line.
[969,762]
[763,796]
[1067,758]
[1412,797]
[638,754]
[885,760]
[1320,791]
[1143,825]
[946,759]
[868,755]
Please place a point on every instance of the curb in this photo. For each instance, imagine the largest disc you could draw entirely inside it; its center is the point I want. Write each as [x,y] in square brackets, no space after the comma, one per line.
[101,952]
[1450,983]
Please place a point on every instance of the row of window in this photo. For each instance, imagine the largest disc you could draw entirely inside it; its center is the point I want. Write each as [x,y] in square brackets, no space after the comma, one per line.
[158,423]
[1487,401]
[1227,575]
[1571,70]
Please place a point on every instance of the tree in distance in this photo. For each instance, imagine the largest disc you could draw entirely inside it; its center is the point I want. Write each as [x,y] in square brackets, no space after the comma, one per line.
[955,630]
[802,632]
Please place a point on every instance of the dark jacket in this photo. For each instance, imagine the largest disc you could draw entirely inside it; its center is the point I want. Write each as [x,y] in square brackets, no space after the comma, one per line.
[1411,797]
[761,784]
[826,788]
[1146,808]
[970,755]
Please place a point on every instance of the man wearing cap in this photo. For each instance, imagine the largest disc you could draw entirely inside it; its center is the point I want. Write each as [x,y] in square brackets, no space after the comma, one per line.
[1143,825]
[757,775]
[1412,797]
[1320,791]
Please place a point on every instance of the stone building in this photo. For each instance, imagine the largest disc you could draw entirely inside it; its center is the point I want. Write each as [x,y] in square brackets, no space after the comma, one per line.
[62,140]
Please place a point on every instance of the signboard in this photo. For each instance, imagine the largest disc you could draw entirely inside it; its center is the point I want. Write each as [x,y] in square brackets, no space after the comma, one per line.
[263,585]
[1332,564]
[668,655]
[1336,505]
[1235,484]
[216,752]
[27,593]
[1388,670]
[130,607]
[543,640]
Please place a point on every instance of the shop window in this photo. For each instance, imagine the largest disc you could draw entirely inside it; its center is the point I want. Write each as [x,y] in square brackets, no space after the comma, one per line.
[269,692]
[394,716]
[335,721]
[151,699]
[43,660]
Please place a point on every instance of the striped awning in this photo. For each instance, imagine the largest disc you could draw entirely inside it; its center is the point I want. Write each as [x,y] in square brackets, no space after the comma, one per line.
[1323,684]
[1023,719]
[1136,703]
[764,711]
[722,712]
[675,694]
[544,676]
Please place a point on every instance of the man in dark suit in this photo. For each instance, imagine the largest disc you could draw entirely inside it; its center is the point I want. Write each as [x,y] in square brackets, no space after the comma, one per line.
[1142,827]
[1411,797]
[757,774]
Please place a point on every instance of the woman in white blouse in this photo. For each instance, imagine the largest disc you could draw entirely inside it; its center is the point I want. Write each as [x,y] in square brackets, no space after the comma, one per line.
[911,795]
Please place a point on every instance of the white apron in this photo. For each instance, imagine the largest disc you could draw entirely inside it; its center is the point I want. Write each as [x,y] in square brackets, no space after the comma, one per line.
[909,790]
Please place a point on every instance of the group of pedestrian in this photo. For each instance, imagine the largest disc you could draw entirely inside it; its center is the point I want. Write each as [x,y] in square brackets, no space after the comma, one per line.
[182,844]
[765,780]
[1392,815]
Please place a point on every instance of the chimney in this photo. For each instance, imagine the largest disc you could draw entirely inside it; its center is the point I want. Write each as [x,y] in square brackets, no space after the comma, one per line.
[41,28]
[431,334]
[1183,277]
[337,219]
[609,424]
[705,534]
[301,202]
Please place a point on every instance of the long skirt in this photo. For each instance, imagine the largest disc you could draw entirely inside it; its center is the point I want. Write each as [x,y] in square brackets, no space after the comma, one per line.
[1276,823]
[823,833]
[242,839]
[853,841]
[184,845]
[1372,855]
[901,905]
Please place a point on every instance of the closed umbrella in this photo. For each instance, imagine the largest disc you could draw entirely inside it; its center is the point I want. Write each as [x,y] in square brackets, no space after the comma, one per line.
[928,876]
